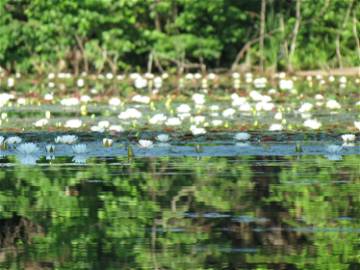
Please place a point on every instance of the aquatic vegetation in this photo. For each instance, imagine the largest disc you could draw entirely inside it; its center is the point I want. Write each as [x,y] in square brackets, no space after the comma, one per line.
[66,139]
[348,137]
[73,123]
[146,143]
[242,136]
[312,124]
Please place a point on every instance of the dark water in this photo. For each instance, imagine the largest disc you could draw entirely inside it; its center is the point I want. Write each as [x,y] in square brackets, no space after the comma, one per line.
[194,212]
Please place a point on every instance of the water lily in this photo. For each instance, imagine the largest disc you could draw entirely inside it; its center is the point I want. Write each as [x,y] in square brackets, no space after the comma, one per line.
[197,130]
[242,136]
[114,101]
[141,99]
[70,101]
[66,139]
[312,123]
[333,104]
[173,121]
[130,113]
[357,124]
[199,99]
[41,122]
[73,123]
[348,137]
[146,143]
[157,119]
[183,108]
[276,127]
[116,128]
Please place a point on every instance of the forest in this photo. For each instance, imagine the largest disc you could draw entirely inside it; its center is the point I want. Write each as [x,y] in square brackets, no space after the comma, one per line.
[38,36]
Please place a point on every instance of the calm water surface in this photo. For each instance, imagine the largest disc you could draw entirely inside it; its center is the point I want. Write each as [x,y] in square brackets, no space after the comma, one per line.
[247,211]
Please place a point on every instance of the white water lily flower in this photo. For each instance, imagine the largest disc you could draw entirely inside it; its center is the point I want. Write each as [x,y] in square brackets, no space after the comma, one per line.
[332,104]
[278,116]
[265,106]
[235,75]
[10,82]
[158,82]
[41,122]
[48,97]
[13,140]
[114,101]
[260,82]
[312,123]
[80,82]
[246,107]
[146,144]
[256,96]
[130,113]
[163,137]
[27,148]
[305,107]
[216,122]
[183,108]
[72,101]
[73,123]
[66,139]
[197,130]
[140,82]
[109,76]
[286,84]
[173,121]
[79,148]
[2,139]
[199,119]
[104,124]
[228,113]
[116,128]
[214,107]
[276,127]
[242,136]
[199,99]
[97,129]
[157,119]
[141,99]
[357,124]
[348,137]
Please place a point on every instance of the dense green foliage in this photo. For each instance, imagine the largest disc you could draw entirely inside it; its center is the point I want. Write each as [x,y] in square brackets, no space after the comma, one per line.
[118,35]
[273,213]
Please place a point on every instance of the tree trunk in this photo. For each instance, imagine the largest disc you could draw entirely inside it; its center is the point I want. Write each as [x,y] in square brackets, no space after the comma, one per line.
[262,33]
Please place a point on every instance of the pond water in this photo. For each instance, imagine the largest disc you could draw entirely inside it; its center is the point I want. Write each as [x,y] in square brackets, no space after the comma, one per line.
[195,203]
[251,177]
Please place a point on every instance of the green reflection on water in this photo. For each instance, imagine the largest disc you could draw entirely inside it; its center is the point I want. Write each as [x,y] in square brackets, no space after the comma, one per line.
[182,213]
